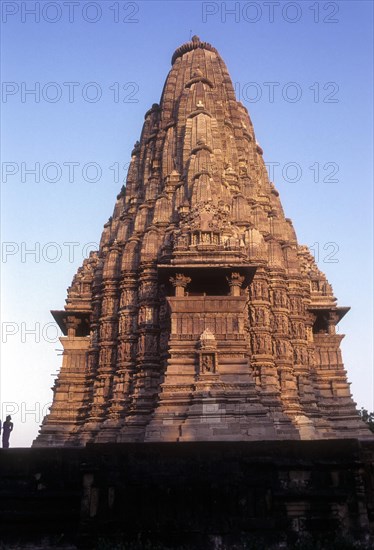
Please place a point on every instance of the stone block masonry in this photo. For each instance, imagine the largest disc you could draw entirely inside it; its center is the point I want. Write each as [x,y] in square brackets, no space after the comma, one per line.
[200,317]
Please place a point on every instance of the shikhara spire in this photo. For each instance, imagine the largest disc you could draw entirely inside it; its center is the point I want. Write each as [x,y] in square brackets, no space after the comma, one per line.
[200,317]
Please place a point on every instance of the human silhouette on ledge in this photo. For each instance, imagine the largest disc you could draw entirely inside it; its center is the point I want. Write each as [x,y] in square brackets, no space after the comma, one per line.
[7,428]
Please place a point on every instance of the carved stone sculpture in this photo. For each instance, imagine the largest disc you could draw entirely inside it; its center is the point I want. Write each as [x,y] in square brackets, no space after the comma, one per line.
[200,317]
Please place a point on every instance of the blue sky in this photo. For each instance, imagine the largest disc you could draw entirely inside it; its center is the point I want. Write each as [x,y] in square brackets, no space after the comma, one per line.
[96,75]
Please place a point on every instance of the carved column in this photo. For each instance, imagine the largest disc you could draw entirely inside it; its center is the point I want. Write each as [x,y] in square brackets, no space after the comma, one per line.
[108,328]
[235,283]
[107,354]
[261,340]
[72,323]
[127,344]
[295,333]
[306,384]
[180,283]
[332,320]
[146,378]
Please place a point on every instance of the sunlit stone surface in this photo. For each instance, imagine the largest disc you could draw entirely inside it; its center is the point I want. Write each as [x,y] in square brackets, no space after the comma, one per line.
[201,317]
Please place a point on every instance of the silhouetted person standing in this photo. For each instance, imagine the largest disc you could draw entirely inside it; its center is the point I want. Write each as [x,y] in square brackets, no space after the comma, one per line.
[7,428]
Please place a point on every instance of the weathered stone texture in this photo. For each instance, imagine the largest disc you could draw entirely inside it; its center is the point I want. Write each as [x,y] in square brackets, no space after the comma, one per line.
[200,317]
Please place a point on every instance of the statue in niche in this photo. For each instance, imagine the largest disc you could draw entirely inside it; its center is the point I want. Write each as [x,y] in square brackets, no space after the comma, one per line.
[273,323]
[163,311]
[149,315]
[254,343]
[261,343]
[182,241]
[277,323]
[164,340]
[267,344]
[304,356]
[123,351]
[243,169]
[297,330]
[298,356]
[280,298]
[309,334]
[141,315]
[296,305]
[108,305]
[277,348]
[263,291]
[141,344]
[148,290]
[266,317]
[100,389]
[252,311]
[257,376]
[105,331]
[285,348]
[284,324]
[259,316]
[96,310]
[151,343]
[207,363]
[311,357]
[125,323]
[288,349]
[259,291]
[93,336]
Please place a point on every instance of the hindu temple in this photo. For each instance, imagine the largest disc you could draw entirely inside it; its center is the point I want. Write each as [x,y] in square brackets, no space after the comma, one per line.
[200,317]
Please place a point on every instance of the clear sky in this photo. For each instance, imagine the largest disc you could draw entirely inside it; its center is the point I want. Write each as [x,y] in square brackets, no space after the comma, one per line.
[303,69]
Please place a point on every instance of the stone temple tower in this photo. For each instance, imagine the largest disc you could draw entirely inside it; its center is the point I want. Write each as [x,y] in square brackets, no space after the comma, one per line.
[200,317]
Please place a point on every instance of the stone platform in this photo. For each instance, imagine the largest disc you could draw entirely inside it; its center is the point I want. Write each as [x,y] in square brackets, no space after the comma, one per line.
[192,495]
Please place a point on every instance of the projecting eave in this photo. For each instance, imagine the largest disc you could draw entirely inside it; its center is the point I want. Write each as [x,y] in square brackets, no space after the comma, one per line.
[61,318]
[340,311]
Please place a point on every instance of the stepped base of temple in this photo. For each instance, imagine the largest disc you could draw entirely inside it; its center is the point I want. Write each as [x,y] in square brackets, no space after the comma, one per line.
[208,419]
[200,495]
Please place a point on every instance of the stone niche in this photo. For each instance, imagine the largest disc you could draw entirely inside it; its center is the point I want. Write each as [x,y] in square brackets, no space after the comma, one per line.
[207,354]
